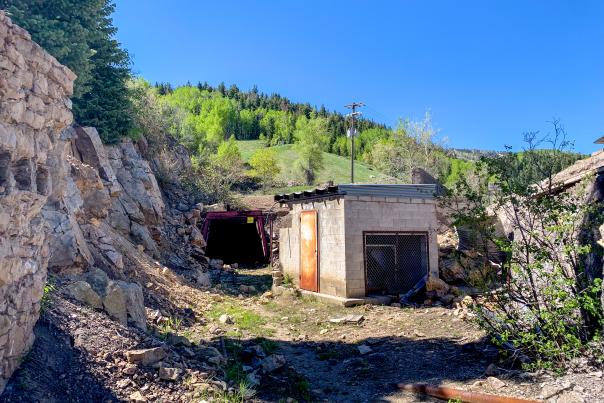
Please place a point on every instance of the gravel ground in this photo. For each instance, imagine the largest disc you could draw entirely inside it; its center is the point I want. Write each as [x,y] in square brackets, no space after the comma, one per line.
[79,354]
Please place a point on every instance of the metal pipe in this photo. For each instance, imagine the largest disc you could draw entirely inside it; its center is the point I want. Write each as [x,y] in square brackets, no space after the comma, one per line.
[446,393]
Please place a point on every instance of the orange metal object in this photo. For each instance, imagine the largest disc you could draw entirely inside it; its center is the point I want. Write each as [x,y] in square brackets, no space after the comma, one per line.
[446,393]
[309,251]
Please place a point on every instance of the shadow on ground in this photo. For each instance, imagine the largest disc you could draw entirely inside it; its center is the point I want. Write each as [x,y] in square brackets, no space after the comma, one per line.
[338,372]
[54,371]
[259,278]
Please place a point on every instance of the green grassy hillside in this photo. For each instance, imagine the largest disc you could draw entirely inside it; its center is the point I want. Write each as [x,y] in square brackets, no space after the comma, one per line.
[336,168]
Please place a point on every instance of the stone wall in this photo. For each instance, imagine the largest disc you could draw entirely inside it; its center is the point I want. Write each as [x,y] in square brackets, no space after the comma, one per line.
[330,228]
[34,108]
[376,214]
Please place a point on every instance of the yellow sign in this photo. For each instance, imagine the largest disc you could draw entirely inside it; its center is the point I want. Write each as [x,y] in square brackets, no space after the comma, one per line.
[250,220]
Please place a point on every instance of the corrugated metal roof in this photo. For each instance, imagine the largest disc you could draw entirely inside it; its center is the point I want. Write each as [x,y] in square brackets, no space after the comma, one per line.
[408,190]
[423,191]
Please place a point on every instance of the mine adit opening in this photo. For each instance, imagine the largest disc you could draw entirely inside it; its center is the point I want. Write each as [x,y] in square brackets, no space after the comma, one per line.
[238,236]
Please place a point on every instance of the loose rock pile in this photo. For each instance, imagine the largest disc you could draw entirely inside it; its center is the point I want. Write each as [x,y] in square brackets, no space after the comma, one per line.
[84,210]
[134,365]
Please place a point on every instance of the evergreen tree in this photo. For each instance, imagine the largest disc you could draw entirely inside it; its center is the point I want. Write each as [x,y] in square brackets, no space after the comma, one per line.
[106,106]
[80,34]
[63,28]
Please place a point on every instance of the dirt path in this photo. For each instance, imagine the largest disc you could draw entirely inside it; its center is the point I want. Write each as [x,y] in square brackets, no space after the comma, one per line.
[406,345]
[79,352]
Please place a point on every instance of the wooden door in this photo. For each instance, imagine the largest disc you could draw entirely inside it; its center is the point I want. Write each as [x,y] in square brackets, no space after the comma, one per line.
[309,251]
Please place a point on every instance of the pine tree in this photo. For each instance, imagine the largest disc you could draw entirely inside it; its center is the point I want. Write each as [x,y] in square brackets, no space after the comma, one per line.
[63,28]
[80,34]
[107,106]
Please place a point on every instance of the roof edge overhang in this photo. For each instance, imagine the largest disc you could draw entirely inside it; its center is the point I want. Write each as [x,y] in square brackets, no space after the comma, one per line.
[421,191]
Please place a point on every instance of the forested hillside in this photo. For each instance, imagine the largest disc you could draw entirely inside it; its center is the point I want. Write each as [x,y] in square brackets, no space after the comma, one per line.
[203,117]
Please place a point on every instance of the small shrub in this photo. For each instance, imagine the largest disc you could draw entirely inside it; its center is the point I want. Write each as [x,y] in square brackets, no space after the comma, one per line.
[269,346]
[302,388]
[47,295]
[288,280]
[545,302]
[172,325]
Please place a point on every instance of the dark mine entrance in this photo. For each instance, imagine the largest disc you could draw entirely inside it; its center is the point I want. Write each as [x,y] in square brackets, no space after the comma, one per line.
[237,237]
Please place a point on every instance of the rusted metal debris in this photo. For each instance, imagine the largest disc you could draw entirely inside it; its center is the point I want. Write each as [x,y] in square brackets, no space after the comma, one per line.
[446,393]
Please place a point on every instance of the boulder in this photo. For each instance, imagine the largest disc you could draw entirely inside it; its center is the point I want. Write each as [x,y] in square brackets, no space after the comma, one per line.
[115,303]
[197,238]
[203,278]
[216,263]
[364,349]
[447,299]
[437,285]
[451,270]
[130,369]
[98,280]
[215,207]
[273,362]
[225,319]
[137,397]
[146,356]
[208,353]
[83,292]
[495,383]
[169,374]
[177,340]
[125,301]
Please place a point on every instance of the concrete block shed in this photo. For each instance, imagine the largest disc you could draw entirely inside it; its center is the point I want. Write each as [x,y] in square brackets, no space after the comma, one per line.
[353,241]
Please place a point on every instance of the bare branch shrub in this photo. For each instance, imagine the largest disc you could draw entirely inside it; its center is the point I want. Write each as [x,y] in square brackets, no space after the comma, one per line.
[545,301]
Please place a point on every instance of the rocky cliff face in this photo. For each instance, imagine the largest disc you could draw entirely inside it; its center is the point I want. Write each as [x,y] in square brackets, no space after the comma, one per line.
[70,206]
[34,108]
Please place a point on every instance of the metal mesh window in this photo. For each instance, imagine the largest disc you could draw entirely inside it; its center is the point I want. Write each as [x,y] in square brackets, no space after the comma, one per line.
[395,262]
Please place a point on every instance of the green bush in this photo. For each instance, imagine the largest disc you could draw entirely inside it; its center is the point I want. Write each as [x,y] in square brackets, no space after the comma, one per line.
[546,306]
[264,165]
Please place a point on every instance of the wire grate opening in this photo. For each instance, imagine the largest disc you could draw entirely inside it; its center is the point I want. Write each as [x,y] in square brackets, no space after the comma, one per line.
[395,262]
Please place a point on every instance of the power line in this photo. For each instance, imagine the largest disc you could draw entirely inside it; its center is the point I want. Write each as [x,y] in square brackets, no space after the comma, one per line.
[353,116]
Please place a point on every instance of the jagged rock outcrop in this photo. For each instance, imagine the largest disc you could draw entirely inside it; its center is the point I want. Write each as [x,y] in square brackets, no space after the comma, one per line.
[34,108]
[85,211]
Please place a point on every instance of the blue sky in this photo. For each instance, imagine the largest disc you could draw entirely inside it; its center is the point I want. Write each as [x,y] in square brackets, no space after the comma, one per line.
[487,70]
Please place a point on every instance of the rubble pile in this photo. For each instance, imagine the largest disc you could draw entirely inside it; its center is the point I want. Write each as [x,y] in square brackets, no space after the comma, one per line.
[91,216]
[138,366]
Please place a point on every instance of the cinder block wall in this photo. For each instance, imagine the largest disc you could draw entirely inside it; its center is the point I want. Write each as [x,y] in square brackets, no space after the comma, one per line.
[289,249]
[332,258]
[370,213]
[341,223]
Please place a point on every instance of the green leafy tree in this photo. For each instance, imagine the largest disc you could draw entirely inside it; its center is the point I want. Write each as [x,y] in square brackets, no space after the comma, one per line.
[311,137]
[277,127]
[219,117]
[411,145]
[228,161]
[249,126]
[210,117]
[264,165]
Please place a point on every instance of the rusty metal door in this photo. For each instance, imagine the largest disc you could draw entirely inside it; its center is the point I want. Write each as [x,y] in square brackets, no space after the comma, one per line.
[309,251]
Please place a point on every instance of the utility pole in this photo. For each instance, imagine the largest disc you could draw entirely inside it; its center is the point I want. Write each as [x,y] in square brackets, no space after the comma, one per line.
[352,133]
